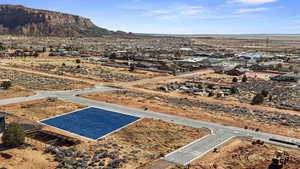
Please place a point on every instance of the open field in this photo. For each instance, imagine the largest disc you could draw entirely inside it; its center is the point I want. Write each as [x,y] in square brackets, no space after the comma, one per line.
[40,109]
[39,82]
[200,95]
[242,154]
[281,95]
[136,145]
[140,143]
[131,147]
[251,43]
[232,115]
[26,158]
[15,91]
[85,69]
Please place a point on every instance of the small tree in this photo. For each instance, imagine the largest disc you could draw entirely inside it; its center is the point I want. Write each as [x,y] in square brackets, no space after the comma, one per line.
[234,90]
[265,93]
[244,79]
[2,46]
[258,99]
[270,98]
[132,67]
[291,68]
[211,86]
[279,66]
[6,84]
[234,80]
[13,136]
[200,86]
[78,61]
[211,94]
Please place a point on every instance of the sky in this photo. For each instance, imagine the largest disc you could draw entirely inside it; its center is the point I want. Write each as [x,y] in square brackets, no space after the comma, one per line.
[182,16]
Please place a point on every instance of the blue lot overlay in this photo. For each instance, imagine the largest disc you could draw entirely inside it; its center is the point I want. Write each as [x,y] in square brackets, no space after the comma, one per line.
[92,123]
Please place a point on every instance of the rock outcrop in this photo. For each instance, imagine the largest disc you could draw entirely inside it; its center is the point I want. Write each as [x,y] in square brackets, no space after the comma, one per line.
[19,20]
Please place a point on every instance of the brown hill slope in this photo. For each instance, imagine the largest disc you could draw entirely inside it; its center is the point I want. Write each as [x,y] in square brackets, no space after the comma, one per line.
[19,20]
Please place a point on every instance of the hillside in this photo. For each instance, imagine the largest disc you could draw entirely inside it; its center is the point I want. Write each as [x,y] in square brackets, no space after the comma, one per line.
[20,20]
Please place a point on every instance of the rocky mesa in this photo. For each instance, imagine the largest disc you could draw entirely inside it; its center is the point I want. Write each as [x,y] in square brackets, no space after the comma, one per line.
[20,20]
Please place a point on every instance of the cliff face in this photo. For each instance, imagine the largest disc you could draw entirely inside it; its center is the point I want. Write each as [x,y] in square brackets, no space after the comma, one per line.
[19,20]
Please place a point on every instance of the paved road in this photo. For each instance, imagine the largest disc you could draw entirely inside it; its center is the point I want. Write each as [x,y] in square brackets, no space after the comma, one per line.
[219,133]
[198,148]
[20,99]
[58,94]
[163,78]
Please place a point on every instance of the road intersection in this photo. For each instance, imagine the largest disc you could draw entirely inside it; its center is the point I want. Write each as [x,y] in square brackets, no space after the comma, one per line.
[185,155]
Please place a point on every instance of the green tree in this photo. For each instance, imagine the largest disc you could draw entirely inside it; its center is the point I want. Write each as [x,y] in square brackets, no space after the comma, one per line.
[244,79]
[78,61]
[234,90]
[13,136]
[2,46]
[173,68]
[265,93]
[258,99]
[279,66]
[6,84]
[235,79]
[270,98]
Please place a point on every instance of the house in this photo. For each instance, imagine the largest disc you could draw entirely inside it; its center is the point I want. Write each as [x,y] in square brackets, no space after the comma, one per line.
[2,122]
[234,72]
[211,62]
[189,62]
[249,56]
[291,77]
[271,64]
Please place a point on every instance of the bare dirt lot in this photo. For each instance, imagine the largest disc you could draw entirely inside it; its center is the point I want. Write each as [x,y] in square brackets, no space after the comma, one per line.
[242,154]
[15,91]
[85,69]
[26,158]
[133,146]
[40,82]
[283,124]
[40,109]
[249,43]
[138,144]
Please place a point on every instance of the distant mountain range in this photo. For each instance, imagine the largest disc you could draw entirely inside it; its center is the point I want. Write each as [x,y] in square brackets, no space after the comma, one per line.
[20,20]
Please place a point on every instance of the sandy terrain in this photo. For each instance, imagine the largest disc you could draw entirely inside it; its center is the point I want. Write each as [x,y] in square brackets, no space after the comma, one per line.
[26,158]
[15,91]
[145,141]
[84,70]
[242,154]
[251,43]
[40,81]
[160,104]
[139,143]
[40,109]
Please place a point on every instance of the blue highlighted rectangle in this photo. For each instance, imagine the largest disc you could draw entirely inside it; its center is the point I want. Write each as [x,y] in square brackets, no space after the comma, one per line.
[92,123]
